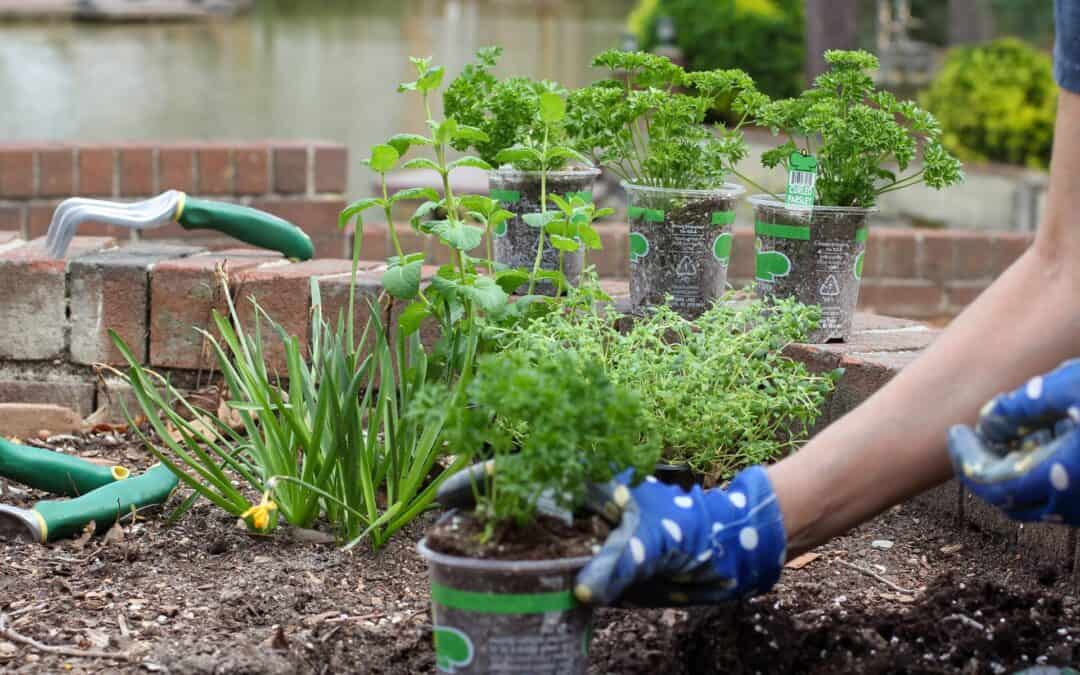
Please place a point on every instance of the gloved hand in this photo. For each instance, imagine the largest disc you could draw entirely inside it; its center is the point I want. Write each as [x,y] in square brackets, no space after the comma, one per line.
[671,547]
[1024,454]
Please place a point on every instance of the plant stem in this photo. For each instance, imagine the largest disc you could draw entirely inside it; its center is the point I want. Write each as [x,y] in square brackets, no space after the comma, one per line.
[543,212]
[755,184]
[390,220]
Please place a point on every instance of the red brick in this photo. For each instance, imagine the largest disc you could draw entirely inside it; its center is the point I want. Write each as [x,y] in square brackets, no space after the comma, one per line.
[885,341]
[283,292]
[375,245]
[184,293]
[16,172]
[899,298]
[33,299]
[215,171]
[12,218]
[973,251]
[317,217]
[56,172]
[891,252]
[136,171]
[742,254]
[1008,246]
[109,291]
[252,170]
[177,168]
[96,168]
[290,169]
[613,260]
[76,394]
[331,169]
[39,216]
[937,255]
[334,292]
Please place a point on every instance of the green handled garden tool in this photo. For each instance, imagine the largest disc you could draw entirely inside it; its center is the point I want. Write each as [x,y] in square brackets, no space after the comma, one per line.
[240,222]
[100,494]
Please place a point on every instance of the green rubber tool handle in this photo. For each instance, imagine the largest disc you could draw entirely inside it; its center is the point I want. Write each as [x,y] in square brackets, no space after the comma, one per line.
[249,225]
[54,472]
[65,517]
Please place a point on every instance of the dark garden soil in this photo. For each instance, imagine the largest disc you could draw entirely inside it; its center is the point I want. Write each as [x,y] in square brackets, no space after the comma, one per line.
[546,539]
[205,597]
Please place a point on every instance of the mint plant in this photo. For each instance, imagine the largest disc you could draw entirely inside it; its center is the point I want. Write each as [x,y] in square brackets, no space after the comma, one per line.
[857,133]
[647,122]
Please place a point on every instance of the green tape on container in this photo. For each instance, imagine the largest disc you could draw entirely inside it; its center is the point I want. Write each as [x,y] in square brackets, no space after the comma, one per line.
[861,234]
[800,232]
[650,215]
[506,196]
[723,217]
[586,196]
[502,603]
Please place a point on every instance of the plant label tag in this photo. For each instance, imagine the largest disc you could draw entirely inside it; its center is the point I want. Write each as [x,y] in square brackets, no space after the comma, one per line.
[546,504]
[802,177]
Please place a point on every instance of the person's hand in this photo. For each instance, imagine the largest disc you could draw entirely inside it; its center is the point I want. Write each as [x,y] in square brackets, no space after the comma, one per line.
[673,547]
[1024,454]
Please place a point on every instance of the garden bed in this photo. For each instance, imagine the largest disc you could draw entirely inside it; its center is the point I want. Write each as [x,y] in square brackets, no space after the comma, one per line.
[205,597]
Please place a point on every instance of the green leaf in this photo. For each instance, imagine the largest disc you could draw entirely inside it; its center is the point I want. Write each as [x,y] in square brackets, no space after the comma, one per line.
[560,202]
[403,281]
[564,243]
[499,217]
[469,160]
[560,153]
[458,235]
[414,193]
[552,107]
[560,227]
[422,163]
[512,279]
[405,260]
[517,154]
[412,316]
[486,293]
[445,131]
[603,213]
[402,142]
[590,237]
[383,158]
[431,80]
[357,207]
[470,134]
[540,219]
[477,203]
[423,212]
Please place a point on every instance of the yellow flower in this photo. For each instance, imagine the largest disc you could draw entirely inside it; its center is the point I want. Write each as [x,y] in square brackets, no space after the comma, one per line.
[260,513]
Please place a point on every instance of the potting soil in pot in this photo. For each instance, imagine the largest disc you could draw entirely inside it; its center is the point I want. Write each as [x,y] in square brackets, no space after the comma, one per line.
[508,606]
[814,256]
[680,246]
[515,240]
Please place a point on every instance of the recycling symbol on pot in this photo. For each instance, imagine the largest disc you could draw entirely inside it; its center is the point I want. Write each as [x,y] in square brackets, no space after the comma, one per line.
[453,649]
[830,286]
[686,267]
[639,246]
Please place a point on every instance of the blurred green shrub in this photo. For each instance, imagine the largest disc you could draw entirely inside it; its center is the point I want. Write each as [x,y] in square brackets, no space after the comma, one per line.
[996,101]
[763,37]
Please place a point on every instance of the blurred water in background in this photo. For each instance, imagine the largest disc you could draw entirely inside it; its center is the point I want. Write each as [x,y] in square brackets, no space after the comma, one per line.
[290,69]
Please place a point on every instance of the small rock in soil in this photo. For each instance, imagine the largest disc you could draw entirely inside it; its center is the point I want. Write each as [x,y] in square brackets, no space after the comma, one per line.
[882,544]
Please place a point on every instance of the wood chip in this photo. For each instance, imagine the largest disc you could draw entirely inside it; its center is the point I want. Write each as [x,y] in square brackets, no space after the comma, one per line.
[952,548]
[801,561]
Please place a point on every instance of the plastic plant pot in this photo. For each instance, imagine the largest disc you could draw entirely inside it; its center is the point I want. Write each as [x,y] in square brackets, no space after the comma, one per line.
[680,245]
[504,616]
[815,256]
[516,241]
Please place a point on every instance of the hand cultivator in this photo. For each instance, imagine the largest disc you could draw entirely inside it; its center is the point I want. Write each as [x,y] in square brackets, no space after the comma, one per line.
[99,494]
[240,222]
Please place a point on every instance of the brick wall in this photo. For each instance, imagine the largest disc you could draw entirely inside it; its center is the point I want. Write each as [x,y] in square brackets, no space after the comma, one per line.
[300,181]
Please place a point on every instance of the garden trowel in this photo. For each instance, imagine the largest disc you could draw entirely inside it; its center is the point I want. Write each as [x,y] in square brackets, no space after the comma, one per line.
[100,494]
[240,222]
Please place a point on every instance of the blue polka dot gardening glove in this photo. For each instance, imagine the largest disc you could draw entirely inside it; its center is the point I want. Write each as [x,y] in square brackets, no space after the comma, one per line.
[673,547]
[1024,454]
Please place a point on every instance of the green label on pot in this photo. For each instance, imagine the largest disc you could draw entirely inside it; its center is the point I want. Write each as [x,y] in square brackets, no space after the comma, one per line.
[500,229]
[861,234]
[586,196]
[502,603]
[859,264]
[650,215]
[802,176]
[800,232]
[770,265]
[453,649]
[721,248]
[506,196]
[639,246]
[723,217]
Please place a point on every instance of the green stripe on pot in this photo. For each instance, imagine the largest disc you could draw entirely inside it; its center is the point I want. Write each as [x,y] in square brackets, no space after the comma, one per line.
[650,215]
[723,217]
[861,234]
[502,603]
[506,196]
[586,196]
[800,232]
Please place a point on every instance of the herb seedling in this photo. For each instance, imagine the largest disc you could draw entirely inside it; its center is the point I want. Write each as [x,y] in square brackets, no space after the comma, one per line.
[649,128]
[855,132]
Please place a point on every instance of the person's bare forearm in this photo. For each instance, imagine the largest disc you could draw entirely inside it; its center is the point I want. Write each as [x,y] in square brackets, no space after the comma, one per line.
[893,445]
